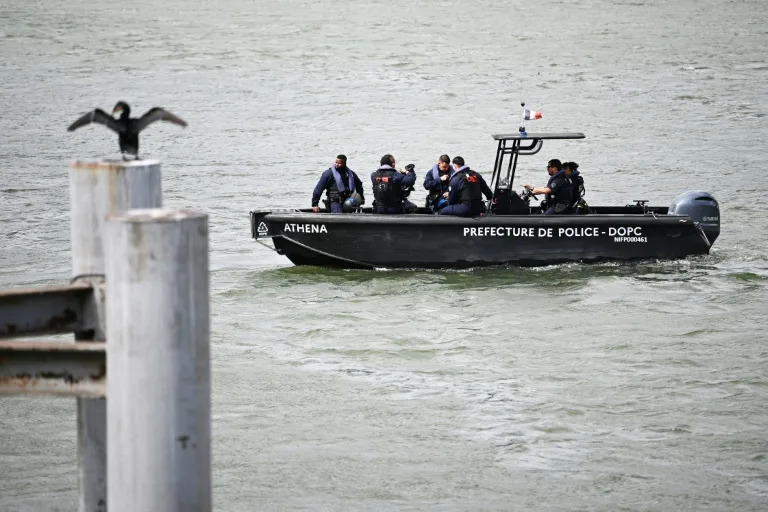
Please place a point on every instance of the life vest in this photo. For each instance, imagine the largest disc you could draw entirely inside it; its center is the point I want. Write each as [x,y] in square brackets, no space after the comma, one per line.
[435,195]
[340,192]
[473,190]
[435,171]
[387,193]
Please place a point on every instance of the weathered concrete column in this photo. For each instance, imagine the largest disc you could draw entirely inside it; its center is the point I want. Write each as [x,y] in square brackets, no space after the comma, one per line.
[159,450]
[101,188]
[98,189]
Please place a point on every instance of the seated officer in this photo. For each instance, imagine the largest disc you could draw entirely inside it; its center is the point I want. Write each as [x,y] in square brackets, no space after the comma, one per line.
[467,187]
[390,185]
[578,204]
[436,182]
[340,182]
[558,190]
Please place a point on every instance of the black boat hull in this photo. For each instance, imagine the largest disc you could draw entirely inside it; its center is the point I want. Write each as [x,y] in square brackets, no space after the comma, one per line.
[364,240]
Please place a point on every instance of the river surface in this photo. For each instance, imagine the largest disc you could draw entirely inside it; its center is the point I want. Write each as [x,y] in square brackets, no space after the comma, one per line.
[608,387]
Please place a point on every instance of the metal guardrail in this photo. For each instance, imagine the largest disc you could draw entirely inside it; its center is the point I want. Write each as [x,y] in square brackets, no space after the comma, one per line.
[48,368]
[48,310]
[61,369]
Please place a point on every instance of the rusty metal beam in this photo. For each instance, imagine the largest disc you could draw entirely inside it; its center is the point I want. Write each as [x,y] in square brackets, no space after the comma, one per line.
[43,310]
[48,368]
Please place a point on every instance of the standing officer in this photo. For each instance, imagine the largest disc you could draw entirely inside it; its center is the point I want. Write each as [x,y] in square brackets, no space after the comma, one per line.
[559,189]
[340,182]
[465,198]
[436,182]
[390,185]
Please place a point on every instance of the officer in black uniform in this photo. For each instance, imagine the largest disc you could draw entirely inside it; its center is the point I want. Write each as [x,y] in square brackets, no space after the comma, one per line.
[467,187]
[578,204]
[340,182]
[390,185]
[559,190]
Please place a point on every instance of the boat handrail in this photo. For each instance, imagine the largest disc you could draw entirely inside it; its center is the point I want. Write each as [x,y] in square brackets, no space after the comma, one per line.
[525,135]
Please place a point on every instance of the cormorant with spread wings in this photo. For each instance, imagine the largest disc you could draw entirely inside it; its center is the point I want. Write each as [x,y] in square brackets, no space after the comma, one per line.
[127,128]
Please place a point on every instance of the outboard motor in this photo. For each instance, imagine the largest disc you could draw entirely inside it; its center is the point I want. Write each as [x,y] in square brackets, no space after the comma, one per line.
[702,208]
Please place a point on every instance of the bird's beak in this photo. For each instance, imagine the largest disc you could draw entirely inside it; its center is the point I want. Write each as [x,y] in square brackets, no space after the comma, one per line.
[118,109]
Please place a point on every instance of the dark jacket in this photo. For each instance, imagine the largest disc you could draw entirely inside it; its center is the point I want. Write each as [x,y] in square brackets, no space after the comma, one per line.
[389,186]
[577,184]
[459,183]
[330,181]
[561,188]
[433,183]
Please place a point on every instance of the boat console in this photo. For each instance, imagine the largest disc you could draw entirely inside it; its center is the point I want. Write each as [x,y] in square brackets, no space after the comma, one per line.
[510,146]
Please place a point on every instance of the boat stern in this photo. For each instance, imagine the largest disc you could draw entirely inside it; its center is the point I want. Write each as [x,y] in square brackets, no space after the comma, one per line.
[702,208]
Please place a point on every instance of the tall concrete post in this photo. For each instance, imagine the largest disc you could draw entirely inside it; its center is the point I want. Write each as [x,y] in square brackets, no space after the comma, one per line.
[98,189]
[159,450]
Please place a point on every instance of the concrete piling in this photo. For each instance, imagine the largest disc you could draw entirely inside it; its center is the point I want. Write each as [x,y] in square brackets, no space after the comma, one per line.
[98,189]
[158,331]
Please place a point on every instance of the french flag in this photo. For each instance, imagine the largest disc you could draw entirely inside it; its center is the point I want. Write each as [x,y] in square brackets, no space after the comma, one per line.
[530,115]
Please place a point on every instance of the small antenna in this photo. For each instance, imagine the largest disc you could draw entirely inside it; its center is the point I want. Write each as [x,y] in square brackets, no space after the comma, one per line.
[522,118]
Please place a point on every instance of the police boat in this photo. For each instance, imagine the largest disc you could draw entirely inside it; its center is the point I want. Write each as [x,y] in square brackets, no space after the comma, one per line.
[511,231]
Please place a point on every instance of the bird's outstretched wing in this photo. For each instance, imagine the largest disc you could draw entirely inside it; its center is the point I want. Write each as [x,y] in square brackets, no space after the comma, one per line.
[157,114]
[97,116]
